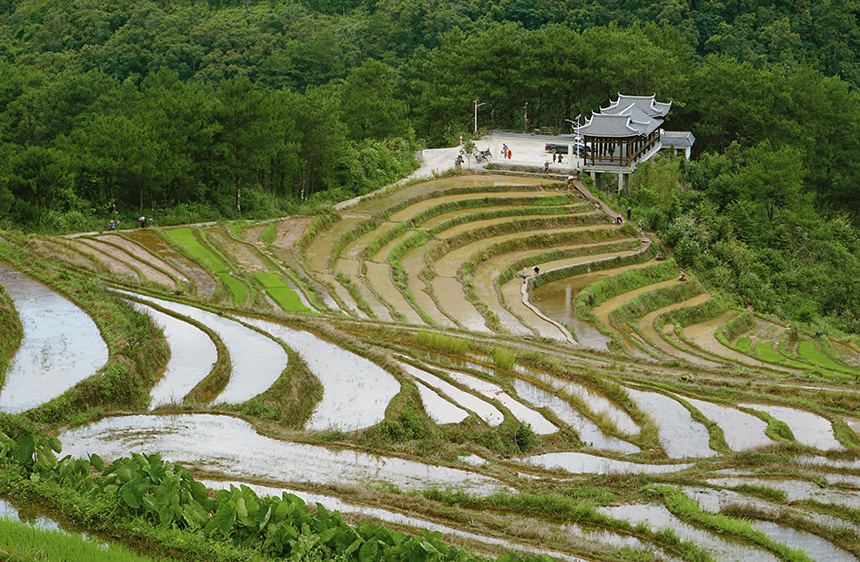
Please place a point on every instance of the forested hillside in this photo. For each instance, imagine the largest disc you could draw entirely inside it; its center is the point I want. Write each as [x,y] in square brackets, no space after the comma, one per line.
[191,110]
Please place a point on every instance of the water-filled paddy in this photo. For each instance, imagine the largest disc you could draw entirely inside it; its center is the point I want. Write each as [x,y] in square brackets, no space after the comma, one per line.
[680,435]
[582,463]
[484,410]
[257,360]
[192,355]
[232,447]
[356,391]
[808,428]
[60,347]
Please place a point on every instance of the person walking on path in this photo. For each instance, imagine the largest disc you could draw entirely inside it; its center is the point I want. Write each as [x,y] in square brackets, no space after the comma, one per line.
[629,213]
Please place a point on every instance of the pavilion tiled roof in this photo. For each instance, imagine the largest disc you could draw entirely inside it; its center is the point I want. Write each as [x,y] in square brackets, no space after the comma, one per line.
[627,122]
[647,104]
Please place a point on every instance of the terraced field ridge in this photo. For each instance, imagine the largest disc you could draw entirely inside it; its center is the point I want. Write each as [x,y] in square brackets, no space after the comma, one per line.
[486,356]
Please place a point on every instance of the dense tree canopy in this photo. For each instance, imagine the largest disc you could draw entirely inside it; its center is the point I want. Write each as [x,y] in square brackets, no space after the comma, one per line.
[191,109]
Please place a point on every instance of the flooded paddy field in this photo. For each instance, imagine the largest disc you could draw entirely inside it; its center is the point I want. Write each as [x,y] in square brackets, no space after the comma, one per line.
[442,400]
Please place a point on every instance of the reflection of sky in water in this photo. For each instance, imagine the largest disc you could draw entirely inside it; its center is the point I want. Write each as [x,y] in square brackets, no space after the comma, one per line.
[192,354]
[582,463]
[540,424]
[588,431]
[356,391]
[9,511]
[808,428]
[741,431]
[61,344]
[257,360]
[595,402]
[680,435]
[484,410]
[232,446]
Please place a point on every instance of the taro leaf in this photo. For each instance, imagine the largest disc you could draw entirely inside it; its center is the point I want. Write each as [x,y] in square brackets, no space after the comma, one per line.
[368,551]
[509,557]
[289,530]
[97,462]
[263,517]
[123,473]
[132,492]
[26,448]
[356,544]
[45,459]
[194,515]
[165,514]
[226,516]
[242,513]
[55,444]
[328,535]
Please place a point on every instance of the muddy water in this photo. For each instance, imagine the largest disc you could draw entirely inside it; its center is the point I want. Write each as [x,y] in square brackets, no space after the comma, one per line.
[555,299]
[680,435]
[151,240]
[192,355]
[513,298]
[9,511]
[830,463]
[582,463]
[741,431]
[595,402]
[484,410]
[452,300]
[808,428]
[817,548]
[61,344]
[651,334]
[147,271]
[540,424]
[658,518]
[704,335]
[231,446]
[588,431]
[141,254]
[257,361]
[413,262]
[356,391]
[379,278]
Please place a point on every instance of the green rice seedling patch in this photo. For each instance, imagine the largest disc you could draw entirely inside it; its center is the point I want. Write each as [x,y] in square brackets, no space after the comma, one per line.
[682,506]
[808,351]
[744,344]
[281,293]
[269,234]
[185,238]
[441,342]
[22,542]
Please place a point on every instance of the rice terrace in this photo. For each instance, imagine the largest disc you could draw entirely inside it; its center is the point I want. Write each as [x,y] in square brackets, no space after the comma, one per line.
[474,366]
